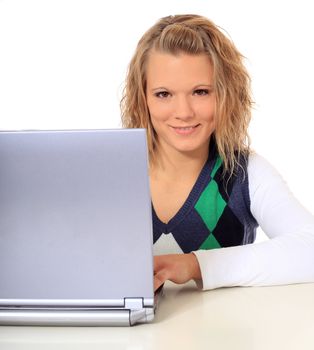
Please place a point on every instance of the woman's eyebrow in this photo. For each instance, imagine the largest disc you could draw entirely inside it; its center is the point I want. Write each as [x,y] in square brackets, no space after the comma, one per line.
[210,86]
[159,88]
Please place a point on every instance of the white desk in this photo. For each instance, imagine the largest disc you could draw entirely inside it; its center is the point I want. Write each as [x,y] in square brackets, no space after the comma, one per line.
[236,318]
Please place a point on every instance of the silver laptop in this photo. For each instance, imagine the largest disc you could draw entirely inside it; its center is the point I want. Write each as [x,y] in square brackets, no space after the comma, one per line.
[75,228]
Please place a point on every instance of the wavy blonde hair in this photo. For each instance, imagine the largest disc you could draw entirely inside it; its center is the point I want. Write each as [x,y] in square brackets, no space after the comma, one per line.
[194,35]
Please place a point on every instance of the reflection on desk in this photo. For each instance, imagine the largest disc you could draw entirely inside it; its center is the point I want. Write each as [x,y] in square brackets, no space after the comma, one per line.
[231,318]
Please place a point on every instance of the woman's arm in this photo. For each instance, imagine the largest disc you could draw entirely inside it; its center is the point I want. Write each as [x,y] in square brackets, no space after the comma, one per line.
[287,257]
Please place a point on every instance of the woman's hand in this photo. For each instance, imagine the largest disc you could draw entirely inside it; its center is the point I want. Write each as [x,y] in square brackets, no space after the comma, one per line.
[178,268]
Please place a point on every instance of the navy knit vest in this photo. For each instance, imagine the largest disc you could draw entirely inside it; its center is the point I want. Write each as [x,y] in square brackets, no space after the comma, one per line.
[216,213]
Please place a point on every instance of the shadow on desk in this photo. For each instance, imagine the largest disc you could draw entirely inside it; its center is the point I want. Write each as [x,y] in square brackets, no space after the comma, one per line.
[176,299]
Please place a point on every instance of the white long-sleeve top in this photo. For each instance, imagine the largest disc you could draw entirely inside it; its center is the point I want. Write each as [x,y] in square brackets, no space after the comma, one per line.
[286,257]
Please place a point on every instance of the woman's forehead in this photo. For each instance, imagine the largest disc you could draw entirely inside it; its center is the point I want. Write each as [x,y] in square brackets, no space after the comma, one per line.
[163,68]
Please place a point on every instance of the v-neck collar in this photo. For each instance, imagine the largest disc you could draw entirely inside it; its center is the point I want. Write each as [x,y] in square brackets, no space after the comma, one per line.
[202,180]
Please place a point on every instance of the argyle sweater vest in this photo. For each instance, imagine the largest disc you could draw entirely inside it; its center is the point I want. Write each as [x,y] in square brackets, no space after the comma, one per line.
[215,214]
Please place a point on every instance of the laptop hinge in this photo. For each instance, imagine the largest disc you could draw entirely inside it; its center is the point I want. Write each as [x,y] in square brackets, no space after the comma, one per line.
[133,303]
[138,313]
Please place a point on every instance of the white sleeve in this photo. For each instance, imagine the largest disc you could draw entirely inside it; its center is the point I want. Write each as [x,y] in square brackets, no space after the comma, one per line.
[286,258]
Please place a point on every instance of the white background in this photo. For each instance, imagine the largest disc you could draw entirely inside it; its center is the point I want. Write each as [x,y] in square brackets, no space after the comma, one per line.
[63,62]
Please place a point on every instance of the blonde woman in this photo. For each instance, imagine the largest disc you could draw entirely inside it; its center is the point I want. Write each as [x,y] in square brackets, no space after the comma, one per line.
[187,85]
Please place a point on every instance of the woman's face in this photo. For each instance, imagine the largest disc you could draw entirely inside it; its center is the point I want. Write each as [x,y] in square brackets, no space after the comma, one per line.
[181,100]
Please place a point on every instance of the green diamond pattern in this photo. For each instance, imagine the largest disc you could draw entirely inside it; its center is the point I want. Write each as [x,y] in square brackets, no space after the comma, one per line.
[210,243]
[210,207]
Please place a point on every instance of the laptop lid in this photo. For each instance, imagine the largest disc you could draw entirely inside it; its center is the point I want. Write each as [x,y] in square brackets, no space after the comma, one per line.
[75,222]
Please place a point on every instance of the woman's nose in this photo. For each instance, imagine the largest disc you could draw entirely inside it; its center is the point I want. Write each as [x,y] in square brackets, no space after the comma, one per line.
[183,108]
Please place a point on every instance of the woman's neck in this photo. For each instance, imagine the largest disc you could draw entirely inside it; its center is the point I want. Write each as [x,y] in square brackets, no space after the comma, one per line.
[178,164]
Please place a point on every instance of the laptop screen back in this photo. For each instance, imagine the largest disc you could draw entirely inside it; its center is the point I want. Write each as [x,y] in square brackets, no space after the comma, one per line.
[75,216]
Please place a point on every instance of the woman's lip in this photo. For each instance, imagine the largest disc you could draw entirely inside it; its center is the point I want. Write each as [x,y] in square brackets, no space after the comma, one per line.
[184,130]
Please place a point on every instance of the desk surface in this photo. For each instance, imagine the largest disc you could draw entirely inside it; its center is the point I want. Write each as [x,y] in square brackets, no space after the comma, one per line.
[232,318]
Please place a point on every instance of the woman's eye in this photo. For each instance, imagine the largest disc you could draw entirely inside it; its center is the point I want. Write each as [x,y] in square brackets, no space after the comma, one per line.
[201,92]
[162,94]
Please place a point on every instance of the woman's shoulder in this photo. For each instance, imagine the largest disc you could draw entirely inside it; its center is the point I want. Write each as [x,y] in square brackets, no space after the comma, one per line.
[266,185]
[261,169]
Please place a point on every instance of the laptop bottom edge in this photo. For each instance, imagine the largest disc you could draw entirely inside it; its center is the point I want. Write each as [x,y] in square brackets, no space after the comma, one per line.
[91,318]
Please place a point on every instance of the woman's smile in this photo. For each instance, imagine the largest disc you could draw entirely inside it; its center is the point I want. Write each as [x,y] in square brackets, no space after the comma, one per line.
[185,130]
